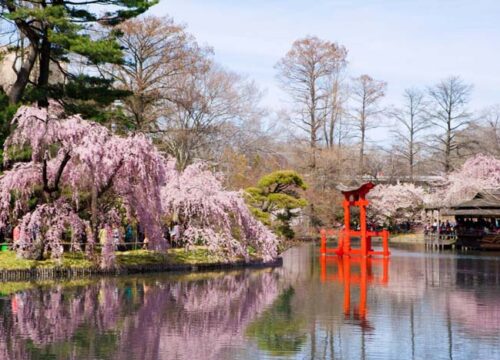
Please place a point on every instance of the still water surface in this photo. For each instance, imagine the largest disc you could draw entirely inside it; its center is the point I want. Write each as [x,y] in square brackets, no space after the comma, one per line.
[417,305]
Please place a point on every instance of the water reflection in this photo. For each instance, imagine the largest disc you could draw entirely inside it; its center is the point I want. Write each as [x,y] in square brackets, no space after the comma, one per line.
[357,271]
[191,317]
[417,305]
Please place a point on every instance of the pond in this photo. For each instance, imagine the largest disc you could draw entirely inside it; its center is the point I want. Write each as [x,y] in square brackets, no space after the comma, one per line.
[417,305]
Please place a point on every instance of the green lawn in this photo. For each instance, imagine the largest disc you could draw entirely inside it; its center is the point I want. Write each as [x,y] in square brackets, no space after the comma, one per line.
[9,261]
[198,255]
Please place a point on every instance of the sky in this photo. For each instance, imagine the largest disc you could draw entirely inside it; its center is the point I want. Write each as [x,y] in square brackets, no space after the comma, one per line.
[407,43]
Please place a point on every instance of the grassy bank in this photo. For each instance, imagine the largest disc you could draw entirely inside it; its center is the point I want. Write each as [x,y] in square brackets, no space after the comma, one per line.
[198,255]
[407,239]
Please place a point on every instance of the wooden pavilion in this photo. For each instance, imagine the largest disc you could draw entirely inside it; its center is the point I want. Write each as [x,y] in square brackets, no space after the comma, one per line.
[478,221]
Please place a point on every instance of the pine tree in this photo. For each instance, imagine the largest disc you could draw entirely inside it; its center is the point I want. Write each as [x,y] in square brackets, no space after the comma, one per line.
[55,31]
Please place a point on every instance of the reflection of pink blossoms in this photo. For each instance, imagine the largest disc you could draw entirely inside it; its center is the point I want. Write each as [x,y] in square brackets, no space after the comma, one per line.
[215,217]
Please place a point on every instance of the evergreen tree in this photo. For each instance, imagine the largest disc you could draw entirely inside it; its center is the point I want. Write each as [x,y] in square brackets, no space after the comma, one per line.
[277,197]
[55,31]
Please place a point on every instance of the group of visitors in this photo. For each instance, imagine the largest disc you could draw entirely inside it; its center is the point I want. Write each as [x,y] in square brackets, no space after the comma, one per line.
[442,228]
[129,240]
[480,226]
[122,238]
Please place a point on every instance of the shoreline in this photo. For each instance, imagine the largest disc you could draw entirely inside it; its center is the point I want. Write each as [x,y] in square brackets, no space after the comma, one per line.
[38,272]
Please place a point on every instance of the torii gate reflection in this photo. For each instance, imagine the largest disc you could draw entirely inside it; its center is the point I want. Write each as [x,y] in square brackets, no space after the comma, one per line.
[346,274]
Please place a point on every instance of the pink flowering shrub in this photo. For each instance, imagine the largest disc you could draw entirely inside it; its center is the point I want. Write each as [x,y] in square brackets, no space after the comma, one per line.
[393,204]
[479,173]
[79,172]
[215,217]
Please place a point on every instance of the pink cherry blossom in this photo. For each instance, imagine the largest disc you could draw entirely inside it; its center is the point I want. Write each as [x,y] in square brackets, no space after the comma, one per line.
[395,203]
[213,216]
[72,159]
[479,173]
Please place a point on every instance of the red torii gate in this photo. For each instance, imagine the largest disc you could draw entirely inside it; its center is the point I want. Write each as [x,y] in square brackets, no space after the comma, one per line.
[356,196]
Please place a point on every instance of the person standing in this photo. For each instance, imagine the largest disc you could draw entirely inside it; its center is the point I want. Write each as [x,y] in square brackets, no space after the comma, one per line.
[16,234]
[175,233]
[116,237]
[103,236]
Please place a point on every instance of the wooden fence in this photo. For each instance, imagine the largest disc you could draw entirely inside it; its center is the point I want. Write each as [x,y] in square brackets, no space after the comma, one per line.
[440,241]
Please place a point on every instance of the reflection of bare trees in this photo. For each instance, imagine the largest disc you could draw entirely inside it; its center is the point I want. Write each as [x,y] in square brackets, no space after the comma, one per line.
[436,305]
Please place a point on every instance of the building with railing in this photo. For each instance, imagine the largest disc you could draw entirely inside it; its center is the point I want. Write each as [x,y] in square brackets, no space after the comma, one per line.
[478,221]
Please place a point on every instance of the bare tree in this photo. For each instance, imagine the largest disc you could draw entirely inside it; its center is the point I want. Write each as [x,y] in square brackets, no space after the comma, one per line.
[205,105]
[448,112]
[366,94]
[192,107]
[482,136]
[492,130]
[335,109]
[305,73]
[157,53]
[411,122]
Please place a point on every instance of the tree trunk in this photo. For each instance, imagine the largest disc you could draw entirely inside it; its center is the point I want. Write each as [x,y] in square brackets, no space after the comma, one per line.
[43,77]
[412,145]
[93,210]
[17,89]
[362,152]
[447,159]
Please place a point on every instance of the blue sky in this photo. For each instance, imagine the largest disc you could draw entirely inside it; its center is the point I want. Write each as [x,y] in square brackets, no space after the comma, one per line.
[404,42]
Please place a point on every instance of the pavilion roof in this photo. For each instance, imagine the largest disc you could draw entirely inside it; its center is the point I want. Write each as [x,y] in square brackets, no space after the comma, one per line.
[484,203]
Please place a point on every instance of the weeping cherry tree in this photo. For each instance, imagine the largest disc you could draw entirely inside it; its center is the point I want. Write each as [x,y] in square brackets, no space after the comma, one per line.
[79,178]
[212,216]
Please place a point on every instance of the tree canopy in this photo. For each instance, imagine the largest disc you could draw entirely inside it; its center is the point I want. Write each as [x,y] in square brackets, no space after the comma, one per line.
[277,195]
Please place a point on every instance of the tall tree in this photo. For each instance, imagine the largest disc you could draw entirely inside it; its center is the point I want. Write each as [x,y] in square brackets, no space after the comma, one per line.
[483,137]
[205,103]
[366,94]
[57,30]
[157,53]
[491,131]
[411,121]
[448,111]
[305,73]
[336,108]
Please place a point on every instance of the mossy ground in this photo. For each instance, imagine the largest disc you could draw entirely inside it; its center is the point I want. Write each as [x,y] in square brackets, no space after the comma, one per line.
[412,238]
